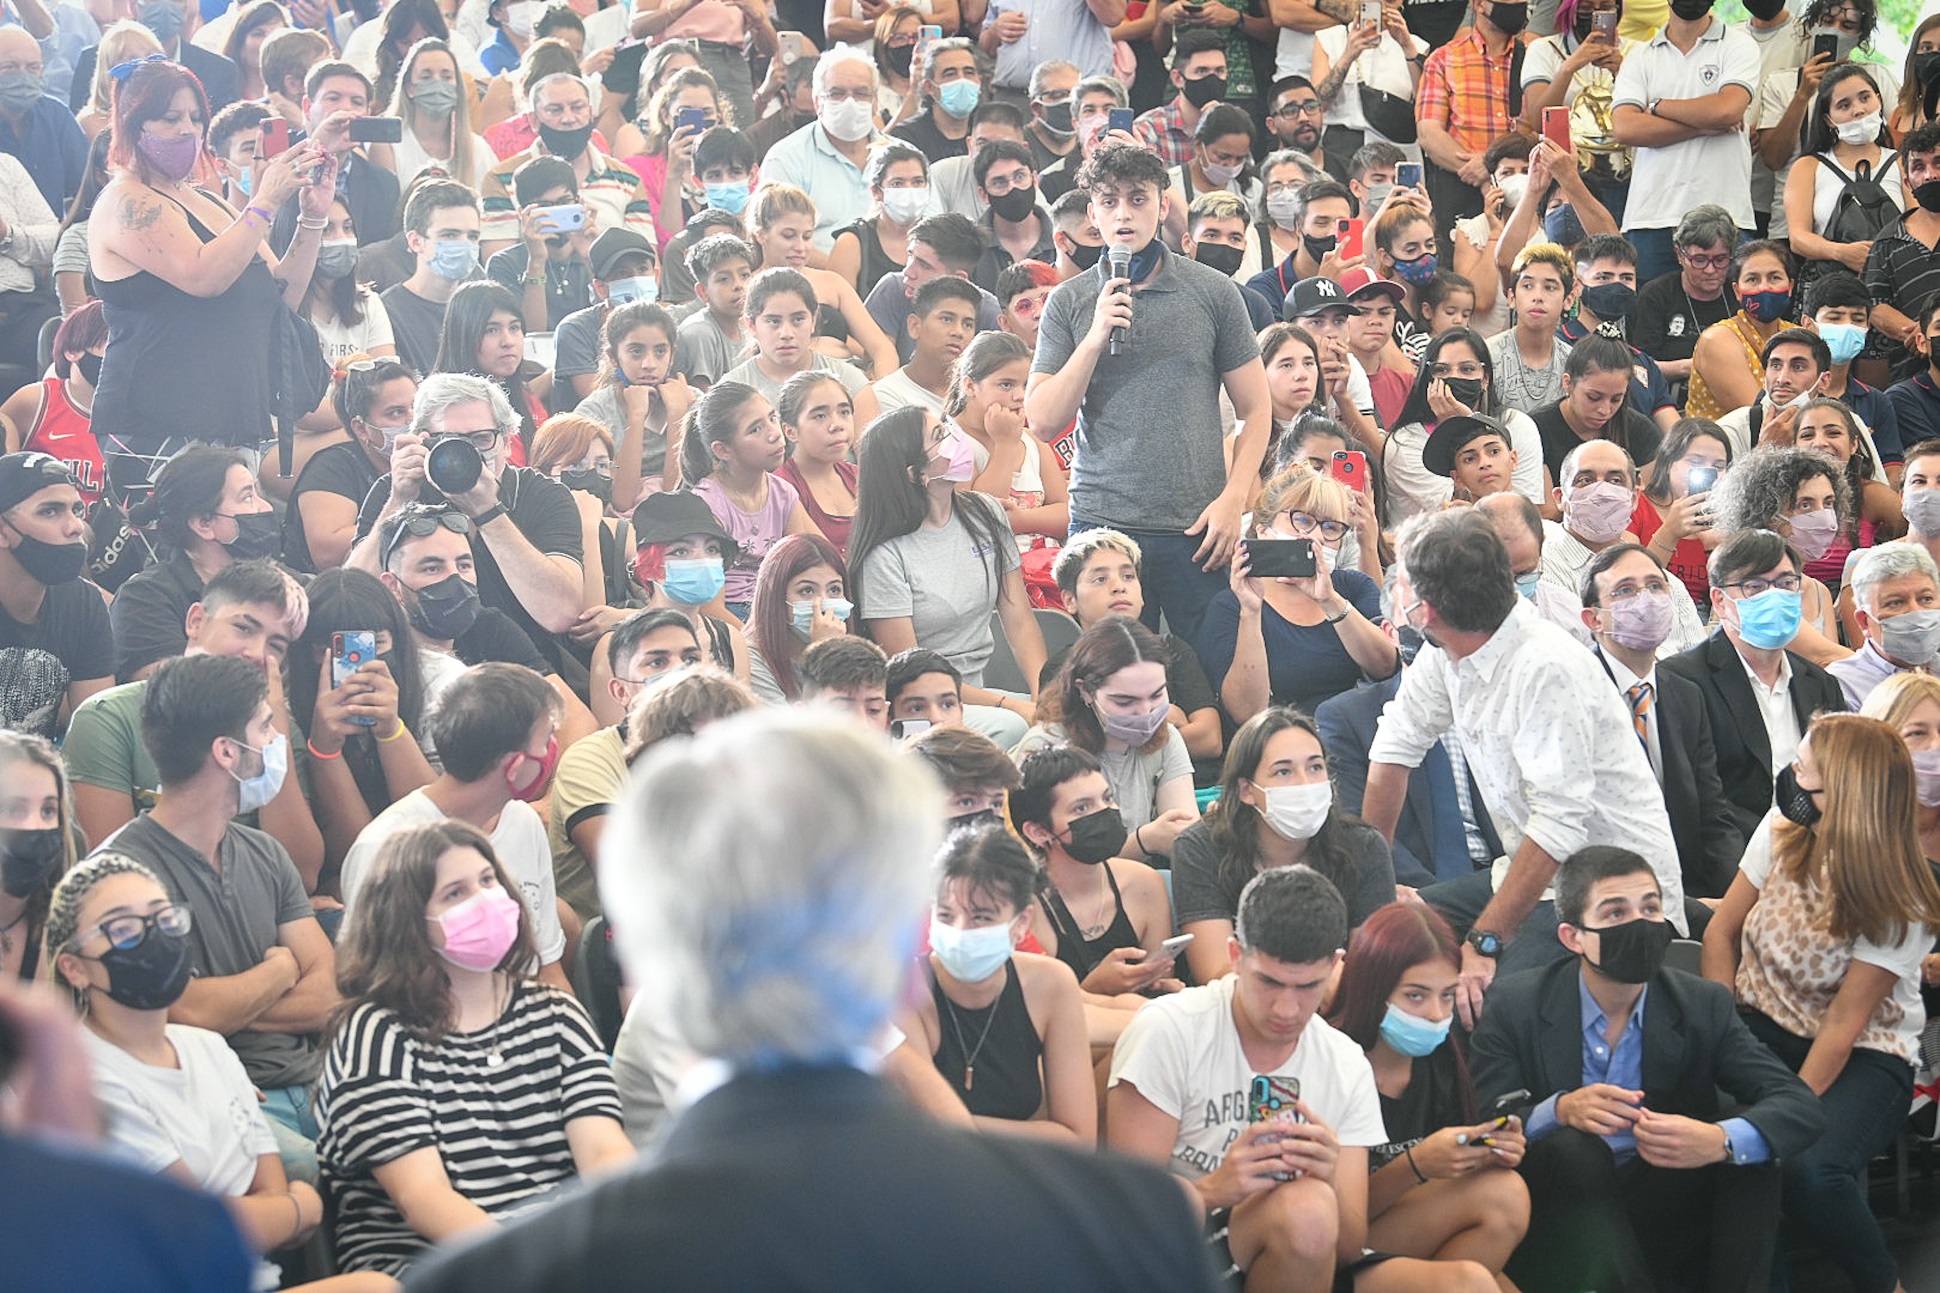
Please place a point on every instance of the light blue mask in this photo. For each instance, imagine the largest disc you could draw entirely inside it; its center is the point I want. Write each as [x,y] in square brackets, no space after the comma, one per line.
[1412,1035]
[970,955]
[1844,340]
[454,259]
[1770,620]
[694,581]
[731,197]
[625,291]
[959,98]
[255,792]
[1527,584]
[802,614]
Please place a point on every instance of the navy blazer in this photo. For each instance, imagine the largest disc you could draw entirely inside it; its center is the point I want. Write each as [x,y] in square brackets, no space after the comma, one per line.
[1530,1038]
[1429,845]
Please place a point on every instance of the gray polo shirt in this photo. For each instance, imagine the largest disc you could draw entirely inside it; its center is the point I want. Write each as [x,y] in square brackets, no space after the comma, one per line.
[238,912]
[1149,449]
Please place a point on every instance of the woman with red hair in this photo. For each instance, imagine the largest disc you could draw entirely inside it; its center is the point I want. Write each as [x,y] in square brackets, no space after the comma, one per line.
[53,415]
[1444,1188]
[190,286]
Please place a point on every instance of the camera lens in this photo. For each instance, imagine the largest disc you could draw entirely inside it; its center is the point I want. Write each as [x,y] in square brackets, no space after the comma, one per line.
[454,465]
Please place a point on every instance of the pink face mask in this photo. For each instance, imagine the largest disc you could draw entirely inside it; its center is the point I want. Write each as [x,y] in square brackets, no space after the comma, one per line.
[1600,511]
[962,455]
[534,786]
[480,930]
[1813,532]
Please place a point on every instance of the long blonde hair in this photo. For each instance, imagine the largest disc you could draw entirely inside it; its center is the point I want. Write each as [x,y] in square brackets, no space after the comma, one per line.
[123,42]
[1864,852]
[463,160]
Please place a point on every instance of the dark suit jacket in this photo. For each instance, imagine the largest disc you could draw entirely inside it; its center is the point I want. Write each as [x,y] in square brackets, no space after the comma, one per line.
[1737,728]
[1428,841]
[820,1179]
[371,194]
[1709,843]
[1531,1038]
[220,80]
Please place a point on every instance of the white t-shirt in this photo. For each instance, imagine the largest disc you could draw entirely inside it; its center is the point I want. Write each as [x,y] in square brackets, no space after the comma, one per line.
[1413,488]
[1385,67]
[1183,1054]
[1719,166]
[342,340]
[519,840]
[896,390]
[203,1114]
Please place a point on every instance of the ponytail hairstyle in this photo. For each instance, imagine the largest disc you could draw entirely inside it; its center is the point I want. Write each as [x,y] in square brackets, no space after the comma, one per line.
[986,353]
[714,418]
[188,487]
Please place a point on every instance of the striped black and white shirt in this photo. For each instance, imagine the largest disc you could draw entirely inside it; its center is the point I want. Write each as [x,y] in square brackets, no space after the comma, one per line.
[499,1129]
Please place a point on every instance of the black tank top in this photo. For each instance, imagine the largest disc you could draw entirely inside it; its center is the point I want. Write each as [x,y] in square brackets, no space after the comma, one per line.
[188,366]
[1073,950]
[875,261]
[830,323]
[1005,1080]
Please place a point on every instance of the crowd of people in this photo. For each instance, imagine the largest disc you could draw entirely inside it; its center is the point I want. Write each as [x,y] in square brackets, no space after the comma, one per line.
[1406,535]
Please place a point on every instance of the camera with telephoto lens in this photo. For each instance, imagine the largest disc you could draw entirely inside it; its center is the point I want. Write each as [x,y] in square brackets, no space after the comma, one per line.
[454,465]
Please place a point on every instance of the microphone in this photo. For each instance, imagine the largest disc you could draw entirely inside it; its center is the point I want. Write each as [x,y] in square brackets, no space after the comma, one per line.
[1119,257]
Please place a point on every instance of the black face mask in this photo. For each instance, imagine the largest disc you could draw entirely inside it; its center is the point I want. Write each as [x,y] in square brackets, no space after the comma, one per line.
[1201,90]
[28,857]
[1319,248]
[1795,803]
[1411,642]
[49,563]
[1224,259]
[1610,300]
[566,143]
[1764,10]
[1085,257]
[445,609]
[899,58]
[258,534]
[90,366]
[1509,19]
[1928,195]
[1016,205]
[1926,67]
[1095,837]
[1690,10]
[1585,23]
[1057,118]
[1466,390]
[1634,950]
[152,974]
[588,480]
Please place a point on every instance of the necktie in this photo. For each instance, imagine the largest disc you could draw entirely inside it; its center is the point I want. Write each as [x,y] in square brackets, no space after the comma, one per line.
[1639,697]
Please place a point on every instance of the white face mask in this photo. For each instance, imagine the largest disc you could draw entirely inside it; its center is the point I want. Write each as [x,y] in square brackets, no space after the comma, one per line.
[522,16]
[1298,812]
[1863,131]
[906,206]
[1513,187]
[848,120]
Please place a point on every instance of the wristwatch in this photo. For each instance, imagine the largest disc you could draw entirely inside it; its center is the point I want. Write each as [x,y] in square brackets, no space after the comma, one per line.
[1487,943]
[493,513]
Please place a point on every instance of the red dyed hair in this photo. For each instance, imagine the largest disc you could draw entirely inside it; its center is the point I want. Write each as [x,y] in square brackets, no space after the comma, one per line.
[79,333]
[145,96]
[1388,944]
[650,564]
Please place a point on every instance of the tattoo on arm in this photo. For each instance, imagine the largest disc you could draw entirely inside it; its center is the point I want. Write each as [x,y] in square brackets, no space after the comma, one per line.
[1339,10]
[138,215]
[1329,89]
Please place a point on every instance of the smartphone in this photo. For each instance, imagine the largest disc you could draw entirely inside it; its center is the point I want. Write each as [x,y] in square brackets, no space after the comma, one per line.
[1370,13]
[1699,480]
[542,348]
[1274,1099]
[1827,43]
[1171,947]
[276,137]
[791,46]
[566,218]
[1281,558]
[694,119]
[1350,469]
[1556,127]
[928,32]
[1507,1103]
[1407,175]
[1353,238]
[1119,119]
[349,652]
[377,130]
[1606,22]
[904,728]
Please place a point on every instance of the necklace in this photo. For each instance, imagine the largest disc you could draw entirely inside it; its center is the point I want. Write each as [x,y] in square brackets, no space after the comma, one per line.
[494,1056]
[6,933]
[970,1059]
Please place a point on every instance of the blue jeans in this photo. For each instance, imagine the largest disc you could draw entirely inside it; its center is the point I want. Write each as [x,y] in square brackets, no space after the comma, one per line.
[1531,945]
[293,1118]
[1825,1184]
[1173,582]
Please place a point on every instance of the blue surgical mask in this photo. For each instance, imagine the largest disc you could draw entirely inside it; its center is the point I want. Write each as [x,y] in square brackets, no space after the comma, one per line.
[959,98]
[254,792]
[1844,340]
[243,181]
[731,197]
[1527,584]
[1412,1035]
[694,581]
[454,259]
[1770,620]
[625,291]
[970,955]
[801,615]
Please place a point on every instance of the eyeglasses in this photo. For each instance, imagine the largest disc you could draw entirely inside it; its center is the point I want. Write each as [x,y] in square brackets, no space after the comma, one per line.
[1304,108]
[1305,523]
[426,523]
[124,932]
[1626,593]
[483,441]
[1707,262]
[1753,587]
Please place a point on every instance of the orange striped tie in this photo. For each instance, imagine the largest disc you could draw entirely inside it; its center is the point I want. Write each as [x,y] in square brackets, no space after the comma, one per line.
[1639,697]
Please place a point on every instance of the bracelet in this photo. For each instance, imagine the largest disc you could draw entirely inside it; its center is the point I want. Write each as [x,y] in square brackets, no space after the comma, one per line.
[489,515]
[1415,1167]
[315,753]
[1138,838]
[531,281]
[249,211]
[298,1228]
[386,740]
[320,223]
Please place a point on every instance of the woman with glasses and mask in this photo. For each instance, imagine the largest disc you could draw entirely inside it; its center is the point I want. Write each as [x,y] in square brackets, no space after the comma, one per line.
[1456,378]
[1728,365]
[442,1020]
[1821,938]
[37,846]
[1276,807]
[371,398]
[1110,700]
[1295,639]
[177,1100]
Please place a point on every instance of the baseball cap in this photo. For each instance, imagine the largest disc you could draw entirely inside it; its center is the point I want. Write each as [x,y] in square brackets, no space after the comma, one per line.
[1312,295]
[1360,280]
[612,246]
[23,475]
